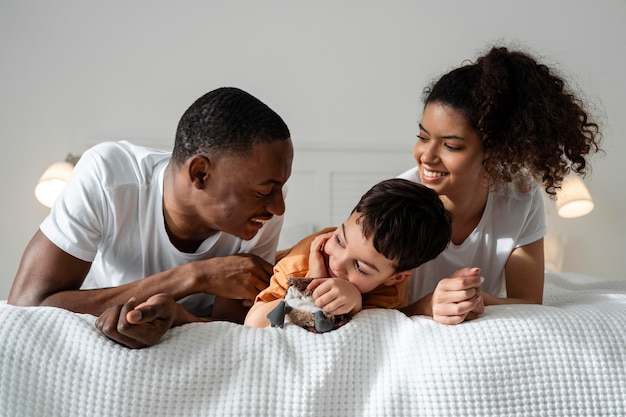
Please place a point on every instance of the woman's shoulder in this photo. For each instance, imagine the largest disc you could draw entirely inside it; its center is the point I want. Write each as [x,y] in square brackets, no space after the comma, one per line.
[514,191]
[513,201]
[411,175]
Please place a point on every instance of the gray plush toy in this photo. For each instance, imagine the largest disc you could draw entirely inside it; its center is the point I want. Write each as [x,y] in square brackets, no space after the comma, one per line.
[298,307]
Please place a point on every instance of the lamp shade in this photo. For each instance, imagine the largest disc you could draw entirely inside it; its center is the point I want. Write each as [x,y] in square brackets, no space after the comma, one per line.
[52,182]
[573,200]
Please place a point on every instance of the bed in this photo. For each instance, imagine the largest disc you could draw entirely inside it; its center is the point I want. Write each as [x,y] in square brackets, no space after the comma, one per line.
[564,358]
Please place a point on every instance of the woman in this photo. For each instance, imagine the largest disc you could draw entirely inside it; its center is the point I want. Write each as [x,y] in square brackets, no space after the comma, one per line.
[490,133]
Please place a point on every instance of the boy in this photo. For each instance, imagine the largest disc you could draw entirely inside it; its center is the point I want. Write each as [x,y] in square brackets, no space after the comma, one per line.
[364,263]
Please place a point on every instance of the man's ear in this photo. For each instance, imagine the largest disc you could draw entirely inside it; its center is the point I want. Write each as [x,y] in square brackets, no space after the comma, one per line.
[199,168]
[398,277]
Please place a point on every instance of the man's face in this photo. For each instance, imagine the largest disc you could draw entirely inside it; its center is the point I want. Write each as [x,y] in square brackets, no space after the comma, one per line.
[243,192]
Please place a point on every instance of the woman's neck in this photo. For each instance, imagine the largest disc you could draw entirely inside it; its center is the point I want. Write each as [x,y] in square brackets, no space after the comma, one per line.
[467,211]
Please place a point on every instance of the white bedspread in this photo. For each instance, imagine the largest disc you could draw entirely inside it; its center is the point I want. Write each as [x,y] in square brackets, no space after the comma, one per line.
[565,358]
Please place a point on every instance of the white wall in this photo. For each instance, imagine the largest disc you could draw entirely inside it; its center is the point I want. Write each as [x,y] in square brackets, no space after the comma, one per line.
[341,73]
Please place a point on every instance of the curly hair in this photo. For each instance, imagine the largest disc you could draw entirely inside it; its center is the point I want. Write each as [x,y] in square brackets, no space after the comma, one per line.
[406,220]
[226,120]
[532,126]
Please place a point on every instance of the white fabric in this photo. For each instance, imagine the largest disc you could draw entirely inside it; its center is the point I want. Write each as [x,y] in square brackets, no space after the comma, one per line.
[566,358]
[111,213]
[511,219]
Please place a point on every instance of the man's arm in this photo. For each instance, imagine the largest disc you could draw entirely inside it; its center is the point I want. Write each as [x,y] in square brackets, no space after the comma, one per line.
[49,276]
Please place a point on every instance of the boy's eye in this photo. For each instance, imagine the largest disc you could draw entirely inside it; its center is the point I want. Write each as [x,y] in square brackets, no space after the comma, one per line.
[357,266]
[422,138]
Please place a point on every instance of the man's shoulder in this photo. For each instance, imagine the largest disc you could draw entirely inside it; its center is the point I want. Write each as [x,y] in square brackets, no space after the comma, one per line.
[125,149]
[122,161]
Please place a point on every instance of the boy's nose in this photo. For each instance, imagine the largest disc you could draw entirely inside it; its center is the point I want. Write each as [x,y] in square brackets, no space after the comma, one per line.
[338,264]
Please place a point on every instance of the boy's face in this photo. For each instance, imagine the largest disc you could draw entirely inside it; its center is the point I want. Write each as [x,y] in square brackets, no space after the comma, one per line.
[352,257]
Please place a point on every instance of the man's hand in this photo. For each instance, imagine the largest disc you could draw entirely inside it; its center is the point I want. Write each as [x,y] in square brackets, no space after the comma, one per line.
[238,277]
[458,298]
[139,325]
[336,296]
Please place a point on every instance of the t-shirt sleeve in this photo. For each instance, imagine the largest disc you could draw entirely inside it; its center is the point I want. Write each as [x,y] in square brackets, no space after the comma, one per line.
[534,227]
[293,264]
[76,218]
[282,272]
[384,296]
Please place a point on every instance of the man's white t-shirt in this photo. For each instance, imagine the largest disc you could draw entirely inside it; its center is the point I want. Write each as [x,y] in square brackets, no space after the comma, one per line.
[110,213]
[511,219]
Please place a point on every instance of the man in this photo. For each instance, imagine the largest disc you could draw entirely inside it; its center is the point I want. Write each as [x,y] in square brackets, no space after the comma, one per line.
[136,229]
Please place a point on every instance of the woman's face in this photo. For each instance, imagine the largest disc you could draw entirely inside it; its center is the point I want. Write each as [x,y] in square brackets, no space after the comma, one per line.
[448,152]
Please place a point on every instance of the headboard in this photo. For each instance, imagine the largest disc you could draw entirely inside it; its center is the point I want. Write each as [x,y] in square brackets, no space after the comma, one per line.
[326,184]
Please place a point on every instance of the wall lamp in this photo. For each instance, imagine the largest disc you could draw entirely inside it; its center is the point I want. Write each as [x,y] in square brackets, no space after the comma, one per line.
[573,200]
[53,180]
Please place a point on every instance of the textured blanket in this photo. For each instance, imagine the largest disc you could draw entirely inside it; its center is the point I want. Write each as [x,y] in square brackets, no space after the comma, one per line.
[565,358]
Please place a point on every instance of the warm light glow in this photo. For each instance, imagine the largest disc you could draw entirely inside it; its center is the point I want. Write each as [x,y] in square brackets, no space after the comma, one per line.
[52,182]
[574,199]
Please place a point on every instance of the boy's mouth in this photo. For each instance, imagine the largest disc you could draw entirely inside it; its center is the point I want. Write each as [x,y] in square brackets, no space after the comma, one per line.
[329,271]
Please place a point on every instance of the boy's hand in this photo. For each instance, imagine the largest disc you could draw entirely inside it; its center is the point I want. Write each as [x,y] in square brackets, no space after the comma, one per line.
[317,264]
[458,298]
[336,296]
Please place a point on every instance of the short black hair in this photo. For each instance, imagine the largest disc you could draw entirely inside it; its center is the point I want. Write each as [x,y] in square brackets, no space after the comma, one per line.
[226,120]
[406,220]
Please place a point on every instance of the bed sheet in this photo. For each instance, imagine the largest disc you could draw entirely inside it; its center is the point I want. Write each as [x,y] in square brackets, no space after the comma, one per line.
[564,358]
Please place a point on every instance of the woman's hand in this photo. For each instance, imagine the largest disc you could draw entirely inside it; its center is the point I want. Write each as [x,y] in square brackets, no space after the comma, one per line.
[458,298]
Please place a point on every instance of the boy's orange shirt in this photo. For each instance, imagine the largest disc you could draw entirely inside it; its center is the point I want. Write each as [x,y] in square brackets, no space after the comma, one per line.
[296,264]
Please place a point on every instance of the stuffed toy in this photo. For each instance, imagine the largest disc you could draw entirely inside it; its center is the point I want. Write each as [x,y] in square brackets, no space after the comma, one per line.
[298,307]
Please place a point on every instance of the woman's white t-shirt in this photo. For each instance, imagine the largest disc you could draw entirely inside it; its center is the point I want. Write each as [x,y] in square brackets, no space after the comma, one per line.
[511,219]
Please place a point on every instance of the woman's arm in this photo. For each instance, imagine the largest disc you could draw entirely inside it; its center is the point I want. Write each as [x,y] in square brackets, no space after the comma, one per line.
[455,299]
[524,272]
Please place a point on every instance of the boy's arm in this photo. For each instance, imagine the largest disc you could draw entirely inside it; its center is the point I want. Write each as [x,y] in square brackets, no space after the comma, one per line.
[257,316]
[269,298]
